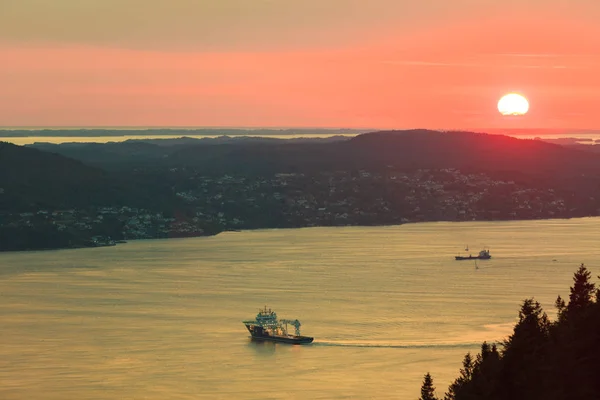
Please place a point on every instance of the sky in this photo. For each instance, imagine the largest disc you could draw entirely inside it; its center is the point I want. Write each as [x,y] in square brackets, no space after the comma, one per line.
[389,64]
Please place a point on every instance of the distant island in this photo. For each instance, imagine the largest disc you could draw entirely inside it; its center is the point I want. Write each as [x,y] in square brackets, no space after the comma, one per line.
[89,194]
[107,132]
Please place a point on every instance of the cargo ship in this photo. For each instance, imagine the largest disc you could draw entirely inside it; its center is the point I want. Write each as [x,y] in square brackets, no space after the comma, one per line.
[483,255]
[266,326]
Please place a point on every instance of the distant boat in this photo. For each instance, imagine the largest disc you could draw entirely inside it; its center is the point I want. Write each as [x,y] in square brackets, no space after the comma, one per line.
[483,255]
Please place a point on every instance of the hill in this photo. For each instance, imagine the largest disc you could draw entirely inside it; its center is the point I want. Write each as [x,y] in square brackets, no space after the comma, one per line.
[32,179]
[146,152]
[433,149]
[190,187]
[407,150]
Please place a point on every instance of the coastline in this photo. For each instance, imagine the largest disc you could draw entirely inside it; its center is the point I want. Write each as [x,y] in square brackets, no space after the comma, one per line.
[117,242]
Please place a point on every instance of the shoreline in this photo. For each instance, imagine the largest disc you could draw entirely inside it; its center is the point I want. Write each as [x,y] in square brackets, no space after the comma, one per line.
[76,247]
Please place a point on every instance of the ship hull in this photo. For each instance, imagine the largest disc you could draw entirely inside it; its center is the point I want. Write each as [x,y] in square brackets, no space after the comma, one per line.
[259,333]
[473,258]
[285,339]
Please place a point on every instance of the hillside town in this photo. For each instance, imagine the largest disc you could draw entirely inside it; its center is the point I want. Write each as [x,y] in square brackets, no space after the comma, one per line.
[209,205]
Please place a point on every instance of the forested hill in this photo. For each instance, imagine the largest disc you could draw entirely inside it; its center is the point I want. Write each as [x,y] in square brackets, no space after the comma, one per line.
[140,172]
[31,179]
[478,151]
[189,187]
[404,150]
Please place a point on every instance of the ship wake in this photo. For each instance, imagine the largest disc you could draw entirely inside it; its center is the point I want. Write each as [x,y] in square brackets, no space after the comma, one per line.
[448,345]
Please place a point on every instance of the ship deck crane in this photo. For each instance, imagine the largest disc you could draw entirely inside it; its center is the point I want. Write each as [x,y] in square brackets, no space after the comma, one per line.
[294,322]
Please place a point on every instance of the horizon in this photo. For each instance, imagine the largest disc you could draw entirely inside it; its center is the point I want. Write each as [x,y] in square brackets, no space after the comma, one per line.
[25,137]
[524,131]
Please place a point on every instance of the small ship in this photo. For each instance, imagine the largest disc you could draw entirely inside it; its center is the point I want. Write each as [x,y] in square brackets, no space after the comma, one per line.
[266,326]
[483,255]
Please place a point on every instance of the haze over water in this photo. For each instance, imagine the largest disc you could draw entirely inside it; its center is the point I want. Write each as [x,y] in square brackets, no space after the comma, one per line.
[586,136]
[162,319]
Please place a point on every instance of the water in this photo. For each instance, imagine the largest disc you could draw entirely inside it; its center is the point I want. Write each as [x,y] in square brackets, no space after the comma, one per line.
[162,319]
[25,140]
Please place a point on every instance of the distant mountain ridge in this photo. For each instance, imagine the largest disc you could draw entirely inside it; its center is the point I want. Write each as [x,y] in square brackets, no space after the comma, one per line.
[107,132]
[36,179]
[136,172]
[458,149]
[408,149]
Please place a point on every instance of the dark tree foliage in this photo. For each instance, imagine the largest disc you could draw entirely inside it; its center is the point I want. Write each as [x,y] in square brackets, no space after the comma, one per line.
[28,238]
[412,149]
[541,359]
[466,373]
[582,290]
[561,307]
[32,180]
[427,389]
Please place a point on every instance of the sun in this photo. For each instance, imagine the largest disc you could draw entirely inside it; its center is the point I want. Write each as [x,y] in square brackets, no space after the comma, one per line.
[513,104]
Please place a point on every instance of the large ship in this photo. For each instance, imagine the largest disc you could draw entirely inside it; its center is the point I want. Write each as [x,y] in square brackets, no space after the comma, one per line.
[483,255]
[266,326]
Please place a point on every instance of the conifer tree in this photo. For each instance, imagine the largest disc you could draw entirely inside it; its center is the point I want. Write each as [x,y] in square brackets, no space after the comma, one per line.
[532,328]
[485,372]
[495,350]
[576,337]
[485,351]
[458,386]
[541,359]
[582,290]
[523,357]
[427,389]
[467,369]
[560,307]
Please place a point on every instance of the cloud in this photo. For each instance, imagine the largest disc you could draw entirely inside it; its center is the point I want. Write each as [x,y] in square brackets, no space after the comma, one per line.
[529,55]
[482,64]
[429,63]
[209,25]
[224,25]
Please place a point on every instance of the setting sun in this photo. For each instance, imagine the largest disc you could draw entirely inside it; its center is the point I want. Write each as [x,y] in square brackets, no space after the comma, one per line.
[513,104]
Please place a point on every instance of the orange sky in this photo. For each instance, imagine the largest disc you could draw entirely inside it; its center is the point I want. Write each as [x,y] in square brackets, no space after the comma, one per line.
[377,68]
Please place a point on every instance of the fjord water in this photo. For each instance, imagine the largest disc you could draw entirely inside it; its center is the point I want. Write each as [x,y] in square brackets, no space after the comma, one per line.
[161,319]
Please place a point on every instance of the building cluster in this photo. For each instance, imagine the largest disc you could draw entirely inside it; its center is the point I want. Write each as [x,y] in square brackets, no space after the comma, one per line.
[104,226]
[207,205]
[364,198]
